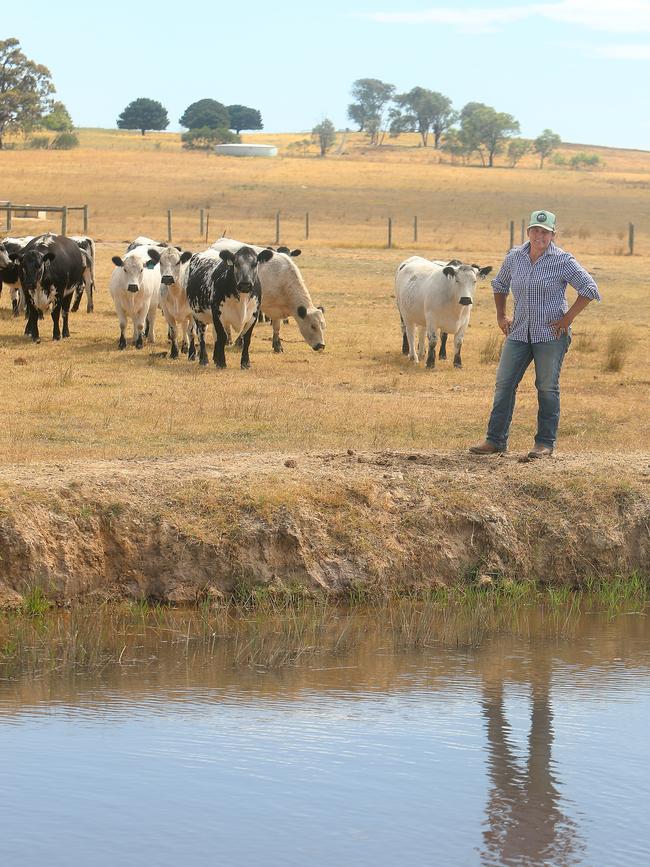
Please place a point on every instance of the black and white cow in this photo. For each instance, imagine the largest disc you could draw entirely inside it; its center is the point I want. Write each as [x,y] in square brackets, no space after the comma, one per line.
[50,270]
[223,289]
[9,271]
[87,246]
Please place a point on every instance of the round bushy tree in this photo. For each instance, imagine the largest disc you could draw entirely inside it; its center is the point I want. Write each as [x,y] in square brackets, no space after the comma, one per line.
[205,113]
[143,114]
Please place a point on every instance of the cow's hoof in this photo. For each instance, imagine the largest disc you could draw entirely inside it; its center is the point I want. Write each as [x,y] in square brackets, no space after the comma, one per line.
[277,347]
[245,365]
[56,337]
[431,365]
[443,356]
[191,356]
[36,339]
[174,351]
[219,365]
[458,365]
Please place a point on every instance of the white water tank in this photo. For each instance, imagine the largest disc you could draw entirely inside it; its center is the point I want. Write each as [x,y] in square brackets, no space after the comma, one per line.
[246,150]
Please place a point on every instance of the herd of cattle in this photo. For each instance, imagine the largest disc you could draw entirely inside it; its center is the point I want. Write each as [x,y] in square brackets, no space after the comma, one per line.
[228,286]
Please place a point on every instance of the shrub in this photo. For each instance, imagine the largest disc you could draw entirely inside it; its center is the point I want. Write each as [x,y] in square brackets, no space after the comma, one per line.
[66,141]
[205,138]
[39,142]
[491,349]
[584,161]
[617,349]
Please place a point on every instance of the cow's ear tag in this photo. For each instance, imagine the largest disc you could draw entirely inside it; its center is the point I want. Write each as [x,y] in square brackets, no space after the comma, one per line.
[151,264]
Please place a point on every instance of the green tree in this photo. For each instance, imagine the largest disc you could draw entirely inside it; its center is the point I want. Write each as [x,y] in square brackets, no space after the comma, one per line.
[485,130]
[25,89]
[206,112]
[454,145]
[424,111]
[517,149]
[545,144]
[325,135]
[369,109]
[242,117]
[204,138]
[143,114]
[58,119]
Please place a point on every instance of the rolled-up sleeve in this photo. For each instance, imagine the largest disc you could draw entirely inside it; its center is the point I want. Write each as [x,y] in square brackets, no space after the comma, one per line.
[580,279]
[501,283]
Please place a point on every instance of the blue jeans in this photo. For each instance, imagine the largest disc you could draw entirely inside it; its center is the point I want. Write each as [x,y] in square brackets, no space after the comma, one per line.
[515,358]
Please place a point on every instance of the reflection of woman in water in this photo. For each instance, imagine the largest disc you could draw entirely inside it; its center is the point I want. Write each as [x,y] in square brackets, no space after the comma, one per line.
[524,822]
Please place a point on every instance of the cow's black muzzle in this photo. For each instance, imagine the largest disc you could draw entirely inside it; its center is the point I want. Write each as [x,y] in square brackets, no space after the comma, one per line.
[244,286]
[319,347]
[465,302]
[133,287]
[167,279]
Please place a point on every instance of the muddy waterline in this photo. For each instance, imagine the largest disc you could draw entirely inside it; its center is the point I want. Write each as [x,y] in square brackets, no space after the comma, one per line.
[399,735]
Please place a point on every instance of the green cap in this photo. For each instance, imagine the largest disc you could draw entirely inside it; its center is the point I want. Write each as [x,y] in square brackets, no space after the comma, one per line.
[545,219]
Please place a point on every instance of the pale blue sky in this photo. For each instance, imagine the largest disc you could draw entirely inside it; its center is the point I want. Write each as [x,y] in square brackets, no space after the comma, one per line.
[580,67]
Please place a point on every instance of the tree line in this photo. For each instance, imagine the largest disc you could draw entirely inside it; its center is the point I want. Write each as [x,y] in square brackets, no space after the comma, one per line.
[477,129]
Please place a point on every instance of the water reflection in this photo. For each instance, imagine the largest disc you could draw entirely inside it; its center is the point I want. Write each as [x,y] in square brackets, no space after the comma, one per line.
[381,738]
[525,822]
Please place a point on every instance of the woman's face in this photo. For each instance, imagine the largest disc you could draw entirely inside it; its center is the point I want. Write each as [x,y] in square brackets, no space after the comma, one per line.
[539,239]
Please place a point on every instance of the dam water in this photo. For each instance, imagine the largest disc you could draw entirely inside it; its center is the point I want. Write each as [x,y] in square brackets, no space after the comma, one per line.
[363,740]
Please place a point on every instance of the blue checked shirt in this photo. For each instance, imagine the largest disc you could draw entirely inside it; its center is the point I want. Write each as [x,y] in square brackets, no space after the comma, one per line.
[539,290]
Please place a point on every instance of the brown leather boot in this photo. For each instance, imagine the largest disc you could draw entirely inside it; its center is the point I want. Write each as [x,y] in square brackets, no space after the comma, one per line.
[486,448]
[540,451]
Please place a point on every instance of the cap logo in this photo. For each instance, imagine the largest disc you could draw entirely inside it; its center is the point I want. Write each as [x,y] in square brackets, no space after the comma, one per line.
[541,217]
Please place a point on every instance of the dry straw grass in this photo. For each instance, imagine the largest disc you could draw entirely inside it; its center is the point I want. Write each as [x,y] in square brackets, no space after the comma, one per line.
[82,398]
[618,346]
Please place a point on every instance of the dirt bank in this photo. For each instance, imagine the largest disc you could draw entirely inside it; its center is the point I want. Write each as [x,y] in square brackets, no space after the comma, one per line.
[177,530]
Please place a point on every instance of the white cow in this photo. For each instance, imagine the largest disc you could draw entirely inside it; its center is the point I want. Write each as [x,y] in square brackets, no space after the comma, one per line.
[9,271]
[174,271]
[284,293]
[435,296]
[135,289]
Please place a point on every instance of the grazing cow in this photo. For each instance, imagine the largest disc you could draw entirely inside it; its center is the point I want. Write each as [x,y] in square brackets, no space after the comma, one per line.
[87,246]
[50,270]
[284,294]
[9,272]
[143,241]
[174,270]
[434,296]
[135,289]
[223,289]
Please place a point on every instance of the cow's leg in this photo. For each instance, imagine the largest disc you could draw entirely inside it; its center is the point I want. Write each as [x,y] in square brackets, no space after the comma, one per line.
[15,306]
[191,352]
[405,340]
[31,327]
[421,336]
[458,345]
[187,334]
[432,337]
[173,353]
[203,355]
[246,342]
[56,312]
[410,336]
[139,326]
[276,342]
[220,340]
[443,346]
[78,292]
[65,309]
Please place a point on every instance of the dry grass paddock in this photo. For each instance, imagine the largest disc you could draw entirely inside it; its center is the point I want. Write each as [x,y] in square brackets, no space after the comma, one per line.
[83,399]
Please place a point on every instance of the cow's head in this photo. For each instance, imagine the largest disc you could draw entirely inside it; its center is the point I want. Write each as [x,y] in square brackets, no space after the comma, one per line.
[32,268]
[134,267]
[311,322]
[170,261]
[4,257]
[289,252]
[244,265]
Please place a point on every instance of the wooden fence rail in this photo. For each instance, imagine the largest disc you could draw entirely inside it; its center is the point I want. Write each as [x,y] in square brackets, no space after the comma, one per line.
[10,208]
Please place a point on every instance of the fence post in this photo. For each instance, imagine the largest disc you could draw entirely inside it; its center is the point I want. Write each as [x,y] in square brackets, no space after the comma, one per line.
[390,232]
[415,229]
[8,216]
[307,226]
[64,220]
[169,224]
[512,234]
[201,218]
[207,226]
[523,231]
[85,219]
[277,227]
[631,239]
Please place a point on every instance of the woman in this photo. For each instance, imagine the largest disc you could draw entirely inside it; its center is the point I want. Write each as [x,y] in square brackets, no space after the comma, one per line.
[540,331]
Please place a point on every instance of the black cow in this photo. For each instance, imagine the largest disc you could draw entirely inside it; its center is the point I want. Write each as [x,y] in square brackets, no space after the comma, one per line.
[51,270]
[223,289]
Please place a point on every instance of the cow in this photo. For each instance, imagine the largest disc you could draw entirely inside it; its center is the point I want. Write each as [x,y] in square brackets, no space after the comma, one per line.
[223,289]
[284,293]
[174,269]
[50,270]
[432,295]
[87,246]
[143,241]
[135,289]
[9,272]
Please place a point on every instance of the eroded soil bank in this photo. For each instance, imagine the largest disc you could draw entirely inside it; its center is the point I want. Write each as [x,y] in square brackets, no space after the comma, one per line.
[180,529]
